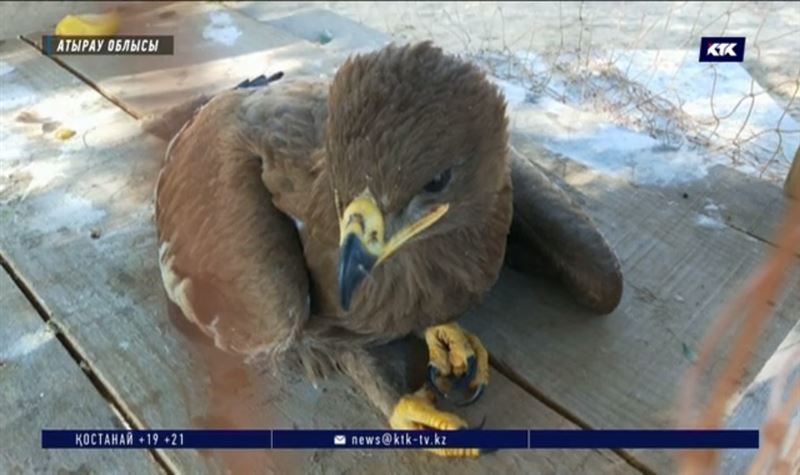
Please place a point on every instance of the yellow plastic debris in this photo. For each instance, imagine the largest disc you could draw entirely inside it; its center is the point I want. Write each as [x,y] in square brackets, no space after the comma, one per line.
[63,133]
[90,24]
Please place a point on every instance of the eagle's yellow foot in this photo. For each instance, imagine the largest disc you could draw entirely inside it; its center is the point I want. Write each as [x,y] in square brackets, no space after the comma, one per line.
[454,351]
[416,411]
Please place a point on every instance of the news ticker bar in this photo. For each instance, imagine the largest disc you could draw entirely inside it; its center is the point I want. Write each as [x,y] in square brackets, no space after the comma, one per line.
[400,439]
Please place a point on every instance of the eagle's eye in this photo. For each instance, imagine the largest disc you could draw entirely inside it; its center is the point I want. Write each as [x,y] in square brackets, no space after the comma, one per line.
[439,182]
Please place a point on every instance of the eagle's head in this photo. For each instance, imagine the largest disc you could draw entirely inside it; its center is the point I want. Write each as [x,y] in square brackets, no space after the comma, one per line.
[417,147]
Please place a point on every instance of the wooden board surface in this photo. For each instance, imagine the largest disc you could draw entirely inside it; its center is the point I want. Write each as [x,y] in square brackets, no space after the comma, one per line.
[615,371]
[105,292]
[215,49]
[740,201]
[316,25]
[624,369]
[43,387]
[754,405]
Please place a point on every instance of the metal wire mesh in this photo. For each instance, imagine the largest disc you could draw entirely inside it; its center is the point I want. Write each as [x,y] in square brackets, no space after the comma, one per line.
[636,63]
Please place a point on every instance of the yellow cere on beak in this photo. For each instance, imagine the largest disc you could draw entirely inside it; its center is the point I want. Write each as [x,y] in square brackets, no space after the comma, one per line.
[363,219]
[362,243]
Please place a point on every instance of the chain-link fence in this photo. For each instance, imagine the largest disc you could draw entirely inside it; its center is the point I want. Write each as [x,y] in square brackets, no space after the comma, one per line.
[634,65]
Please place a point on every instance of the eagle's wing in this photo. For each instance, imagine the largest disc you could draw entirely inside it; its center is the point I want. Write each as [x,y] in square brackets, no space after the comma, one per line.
[164,124]
[551,232]
[230,259]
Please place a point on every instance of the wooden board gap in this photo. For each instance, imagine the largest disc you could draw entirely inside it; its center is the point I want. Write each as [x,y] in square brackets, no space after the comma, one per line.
[117,407]
[523,384]
[83,78]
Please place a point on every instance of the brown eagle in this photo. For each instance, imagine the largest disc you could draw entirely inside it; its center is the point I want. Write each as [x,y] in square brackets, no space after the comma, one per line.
[309,220]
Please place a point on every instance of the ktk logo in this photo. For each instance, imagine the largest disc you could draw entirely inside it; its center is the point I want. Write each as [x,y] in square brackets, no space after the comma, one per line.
[721,49]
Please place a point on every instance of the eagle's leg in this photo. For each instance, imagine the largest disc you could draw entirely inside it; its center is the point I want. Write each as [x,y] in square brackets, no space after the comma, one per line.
[453,351]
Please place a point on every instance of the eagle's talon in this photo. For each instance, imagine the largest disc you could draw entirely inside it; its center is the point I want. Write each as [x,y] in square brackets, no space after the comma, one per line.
[456,357]
[416,411]
[433,375]
[472,366]
[475,396]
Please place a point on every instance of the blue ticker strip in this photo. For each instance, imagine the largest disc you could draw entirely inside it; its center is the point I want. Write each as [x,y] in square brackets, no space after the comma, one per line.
[400,439]
[644,439]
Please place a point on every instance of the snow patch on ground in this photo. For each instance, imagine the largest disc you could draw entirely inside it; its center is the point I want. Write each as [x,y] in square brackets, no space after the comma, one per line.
[27,344]
[5,68]
[515,93]
[567,119]
[42,173]
[12,146]
[32,159]
[16,95]
[676,75]
[713,209]
[222,29]
[63,210]
[616,150]
[21,173]
[708,222]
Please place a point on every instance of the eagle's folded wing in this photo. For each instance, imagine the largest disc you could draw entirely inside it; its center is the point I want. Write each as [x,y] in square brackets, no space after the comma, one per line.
[550,225]
[230,259]
[284,125]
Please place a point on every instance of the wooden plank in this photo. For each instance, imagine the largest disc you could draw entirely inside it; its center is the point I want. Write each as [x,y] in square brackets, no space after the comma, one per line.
[723,194]
[106,294]
[624,369]
[744,202]
[753,406]
[215,49]
[43,387]
[317,25]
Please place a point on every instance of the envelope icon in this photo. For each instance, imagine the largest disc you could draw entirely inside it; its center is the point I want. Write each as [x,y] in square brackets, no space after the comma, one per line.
[339,440]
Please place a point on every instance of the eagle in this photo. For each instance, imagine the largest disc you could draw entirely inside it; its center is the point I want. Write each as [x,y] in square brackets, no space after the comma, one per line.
[306,220]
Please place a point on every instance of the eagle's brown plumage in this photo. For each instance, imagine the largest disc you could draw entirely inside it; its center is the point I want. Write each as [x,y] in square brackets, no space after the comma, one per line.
[250,199]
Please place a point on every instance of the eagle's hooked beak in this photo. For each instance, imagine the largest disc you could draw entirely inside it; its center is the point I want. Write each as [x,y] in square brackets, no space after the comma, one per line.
[362,243]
